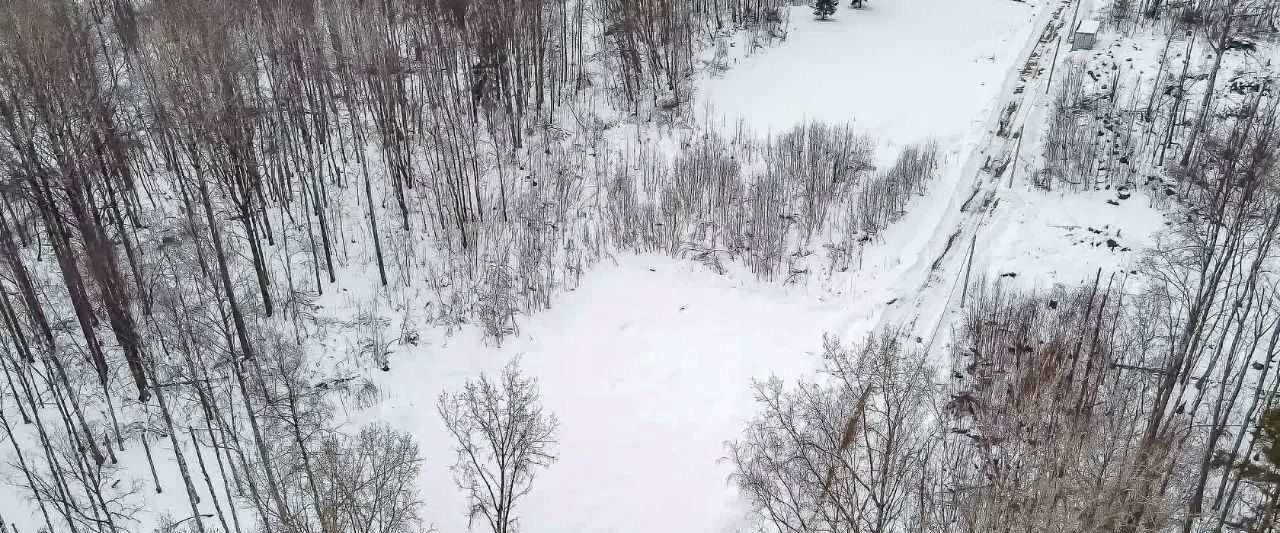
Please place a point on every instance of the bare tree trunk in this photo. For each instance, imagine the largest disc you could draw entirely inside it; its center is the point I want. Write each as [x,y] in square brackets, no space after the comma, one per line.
[192,496]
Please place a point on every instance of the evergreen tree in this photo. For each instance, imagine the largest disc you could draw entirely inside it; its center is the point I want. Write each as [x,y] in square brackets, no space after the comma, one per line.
[824,8]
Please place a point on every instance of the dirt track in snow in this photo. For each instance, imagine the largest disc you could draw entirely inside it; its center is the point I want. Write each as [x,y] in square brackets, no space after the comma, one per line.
[929,293]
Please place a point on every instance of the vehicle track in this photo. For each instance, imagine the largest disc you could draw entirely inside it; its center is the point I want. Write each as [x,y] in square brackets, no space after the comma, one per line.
[930,291]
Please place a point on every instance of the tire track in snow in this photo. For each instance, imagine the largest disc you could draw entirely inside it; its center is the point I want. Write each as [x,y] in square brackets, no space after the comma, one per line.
[928,292]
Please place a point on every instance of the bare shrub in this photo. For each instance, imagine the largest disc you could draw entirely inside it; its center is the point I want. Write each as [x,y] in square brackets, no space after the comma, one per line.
[367,394]
[167,524]
[503,438]
[839,255]
[1070,151]
[768,224]
[630,221]
[1089,141]
[107,500]
[820,163]
[368,483]
[373,336]
[1052,398]
[702,195]
[882,199]
[847,453]
[496,305]
[738,198]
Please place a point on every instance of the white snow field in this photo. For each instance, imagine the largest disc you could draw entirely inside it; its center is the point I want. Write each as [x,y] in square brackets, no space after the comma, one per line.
[903,70]
[647,366]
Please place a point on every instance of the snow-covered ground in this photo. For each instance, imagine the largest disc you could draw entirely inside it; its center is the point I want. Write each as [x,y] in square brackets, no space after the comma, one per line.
[1064,238]
[903,70]
[647,365]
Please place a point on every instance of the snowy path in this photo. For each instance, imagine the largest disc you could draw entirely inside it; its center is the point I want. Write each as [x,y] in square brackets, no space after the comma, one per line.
[929,291]
[904,71]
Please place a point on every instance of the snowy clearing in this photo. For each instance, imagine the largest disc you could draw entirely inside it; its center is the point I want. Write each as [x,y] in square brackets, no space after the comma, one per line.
[902,70]
[288,250]
[647,365]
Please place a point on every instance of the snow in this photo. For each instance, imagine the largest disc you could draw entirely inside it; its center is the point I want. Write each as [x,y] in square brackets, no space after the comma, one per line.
[904,70]
[648,366]
[1087,26]
[1049,238]
[648,362]
[1032,238]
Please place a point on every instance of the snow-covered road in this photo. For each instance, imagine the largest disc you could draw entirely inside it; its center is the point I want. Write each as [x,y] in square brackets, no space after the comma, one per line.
[928,291]
[996,227]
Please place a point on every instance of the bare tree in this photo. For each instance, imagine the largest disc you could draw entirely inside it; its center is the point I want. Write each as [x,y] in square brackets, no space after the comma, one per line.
[504,437]
[368,483]
[847,453]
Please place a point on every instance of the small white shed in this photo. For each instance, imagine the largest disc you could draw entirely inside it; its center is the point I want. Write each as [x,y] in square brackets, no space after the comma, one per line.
[1086,34]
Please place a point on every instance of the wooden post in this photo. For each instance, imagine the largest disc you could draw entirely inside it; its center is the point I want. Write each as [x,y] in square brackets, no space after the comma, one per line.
[1017,148]
[964,291]
[1048,85]
[1075,14]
